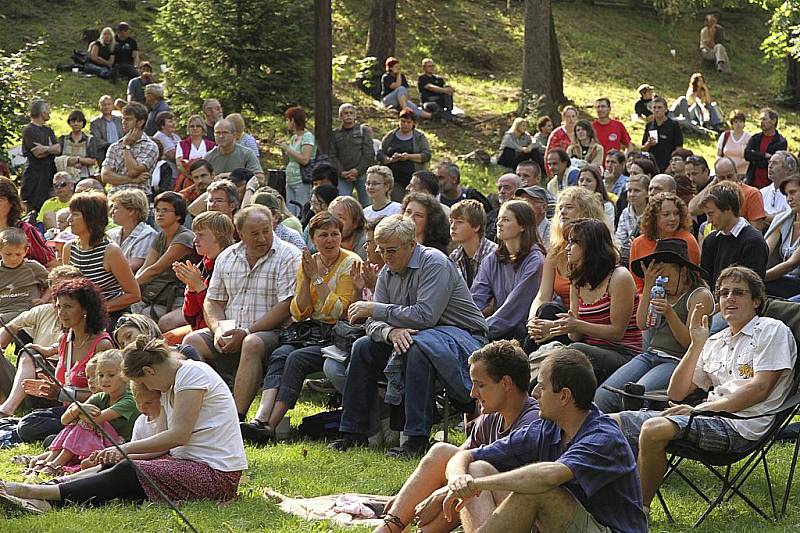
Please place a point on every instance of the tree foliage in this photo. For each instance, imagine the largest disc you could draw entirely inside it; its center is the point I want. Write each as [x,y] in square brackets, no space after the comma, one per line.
[784,37]
[15,93]
[252,55]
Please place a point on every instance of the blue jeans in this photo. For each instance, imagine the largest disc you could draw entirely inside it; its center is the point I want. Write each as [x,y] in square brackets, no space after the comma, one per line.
[393,100]
[287,370]
[648,369]
[367,361]
[98,70]
[297,195]
[40,424]
[360,185]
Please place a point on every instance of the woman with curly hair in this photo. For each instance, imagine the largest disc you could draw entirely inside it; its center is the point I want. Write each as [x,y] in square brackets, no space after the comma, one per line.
[82,313]
[432,226]
[553,296]
[665,217]
[601,321]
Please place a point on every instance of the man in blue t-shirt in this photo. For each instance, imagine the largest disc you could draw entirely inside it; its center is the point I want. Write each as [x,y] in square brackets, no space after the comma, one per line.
[571,470]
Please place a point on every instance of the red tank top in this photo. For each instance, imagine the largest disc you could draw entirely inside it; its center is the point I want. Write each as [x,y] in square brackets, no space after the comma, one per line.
[599,312]
[77,373]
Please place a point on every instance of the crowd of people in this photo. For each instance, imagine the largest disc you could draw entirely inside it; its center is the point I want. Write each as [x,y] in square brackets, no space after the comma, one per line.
[165,279]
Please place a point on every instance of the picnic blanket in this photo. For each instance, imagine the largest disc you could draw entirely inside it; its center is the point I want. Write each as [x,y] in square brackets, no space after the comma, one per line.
[331,507]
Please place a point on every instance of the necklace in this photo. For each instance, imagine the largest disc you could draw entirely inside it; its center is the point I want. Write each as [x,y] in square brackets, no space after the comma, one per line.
[325,265]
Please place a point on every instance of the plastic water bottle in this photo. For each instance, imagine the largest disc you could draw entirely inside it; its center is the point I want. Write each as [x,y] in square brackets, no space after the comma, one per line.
[658,291]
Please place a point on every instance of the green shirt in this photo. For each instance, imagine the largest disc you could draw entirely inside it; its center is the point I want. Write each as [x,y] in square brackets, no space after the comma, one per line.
[241,157]
[51,205]
[125,408]
[293,173]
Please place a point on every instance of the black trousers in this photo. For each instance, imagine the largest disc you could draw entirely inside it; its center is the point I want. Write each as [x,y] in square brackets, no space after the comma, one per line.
[117,482]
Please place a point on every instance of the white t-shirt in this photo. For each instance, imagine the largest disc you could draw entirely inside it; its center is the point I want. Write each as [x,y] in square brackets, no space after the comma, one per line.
[728,362]
[145,428]
[216,440]
[392,208]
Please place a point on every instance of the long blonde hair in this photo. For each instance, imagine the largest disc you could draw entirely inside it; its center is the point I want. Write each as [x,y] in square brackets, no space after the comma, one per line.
[515,124]
[113,43]
[588,206]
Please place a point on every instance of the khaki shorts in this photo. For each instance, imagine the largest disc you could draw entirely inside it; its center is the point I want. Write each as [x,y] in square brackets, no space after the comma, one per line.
[226,364]
[583,522]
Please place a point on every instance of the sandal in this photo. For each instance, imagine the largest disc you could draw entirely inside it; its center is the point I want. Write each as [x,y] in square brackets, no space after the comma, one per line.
[12,505]
[52,470]
[256,431]
[413,448]
[390,520]
[23,460]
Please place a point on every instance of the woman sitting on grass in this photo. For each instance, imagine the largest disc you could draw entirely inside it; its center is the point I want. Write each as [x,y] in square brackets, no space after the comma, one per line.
[206,453]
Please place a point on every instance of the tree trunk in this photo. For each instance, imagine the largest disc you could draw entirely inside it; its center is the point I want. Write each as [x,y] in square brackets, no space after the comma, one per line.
[323,73]
[793,80]
[542,74]
[381,40]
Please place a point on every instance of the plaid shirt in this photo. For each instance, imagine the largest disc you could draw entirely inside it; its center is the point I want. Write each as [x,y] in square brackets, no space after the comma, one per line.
[459,257]
[249,293]
[144,151]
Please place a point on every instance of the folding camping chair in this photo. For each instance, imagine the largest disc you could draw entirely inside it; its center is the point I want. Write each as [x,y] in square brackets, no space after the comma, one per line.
[723,466]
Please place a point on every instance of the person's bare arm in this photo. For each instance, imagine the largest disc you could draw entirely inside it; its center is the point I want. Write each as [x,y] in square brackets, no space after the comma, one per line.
[175,252]
[186,411]
[115,263]
[696,203]
[681,384]
[273,318]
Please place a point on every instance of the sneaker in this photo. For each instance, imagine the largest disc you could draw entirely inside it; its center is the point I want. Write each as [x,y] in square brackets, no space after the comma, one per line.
[348,441]
[256,431]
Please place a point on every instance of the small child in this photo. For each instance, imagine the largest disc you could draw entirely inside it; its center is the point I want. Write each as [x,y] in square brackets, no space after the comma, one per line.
[113,408]
[149,423]
[23,282]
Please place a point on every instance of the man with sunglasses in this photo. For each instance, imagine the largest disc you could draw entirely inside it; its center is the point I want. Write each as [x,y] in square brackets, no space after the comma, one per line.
[746,369]
[421,326]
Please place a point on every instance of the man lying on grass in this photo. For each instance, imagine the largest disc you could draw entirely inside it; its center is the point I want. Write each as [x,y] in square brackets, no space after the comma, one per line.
[571,470]
[500,376]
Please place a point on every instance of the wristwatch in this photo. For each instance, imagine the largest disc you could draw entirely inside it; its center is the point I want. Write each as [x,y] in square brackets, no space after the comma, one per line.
[318,281]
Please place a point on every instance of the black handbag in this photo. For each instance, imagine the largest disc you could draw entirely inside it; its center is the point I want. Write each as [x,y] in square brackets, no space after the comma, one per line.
[345,334]
[306,333]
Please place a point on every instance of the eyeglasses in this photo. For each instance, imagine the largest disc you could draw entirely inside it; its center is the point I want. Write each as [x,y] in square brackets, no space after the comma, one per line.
[386,251]
[727,293]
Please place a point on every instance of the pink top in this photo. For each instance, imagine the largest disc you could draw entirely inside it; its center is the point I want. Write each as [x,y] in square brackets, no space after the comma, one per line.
[558,139]
[77,374]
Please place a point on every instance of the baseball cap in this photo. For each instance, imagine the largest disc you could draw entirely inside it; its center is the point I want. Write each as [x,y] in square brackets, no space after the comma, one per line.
[123,26]
[534,191]
[645,87]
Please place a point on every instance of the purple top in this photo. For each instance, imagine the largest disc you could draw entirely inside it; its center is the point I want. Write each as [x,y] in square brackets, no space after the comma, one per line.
[513,290]
[604,477]
[488,428]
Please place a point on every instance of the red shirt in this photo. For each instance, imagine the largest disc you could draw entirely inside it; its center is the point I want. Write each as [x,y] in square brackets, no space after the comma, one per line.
[611,136]
[761,179]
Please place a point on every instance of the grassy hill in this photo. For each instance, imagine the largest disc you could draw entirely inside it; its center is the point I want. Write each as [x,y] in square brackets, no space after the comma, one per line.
[478,46]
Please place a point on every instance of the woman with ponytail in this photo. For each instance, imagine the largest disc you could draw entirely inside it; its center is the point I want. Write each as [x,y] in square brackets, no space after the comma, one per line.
[206,454]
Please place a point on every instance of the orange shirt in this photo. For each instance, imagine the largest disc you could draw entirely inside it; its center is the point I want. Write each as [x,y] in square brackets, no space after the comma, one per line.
[753,207]
[643,245]
[561,288]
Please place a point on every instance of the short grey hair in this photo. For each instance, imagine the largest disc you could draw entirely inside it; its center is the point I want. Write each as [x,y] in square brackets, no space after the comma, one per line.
[345,106]
[37,107]
[451,169]
[226,186]
[516,178]
[384,172]
[156,89]
[789,161]
[398,226]
[241,216]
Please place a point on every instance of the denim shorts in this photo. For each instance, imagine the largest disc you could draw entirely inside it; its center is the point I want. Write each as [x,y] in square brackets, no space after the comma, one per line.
[709,433]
